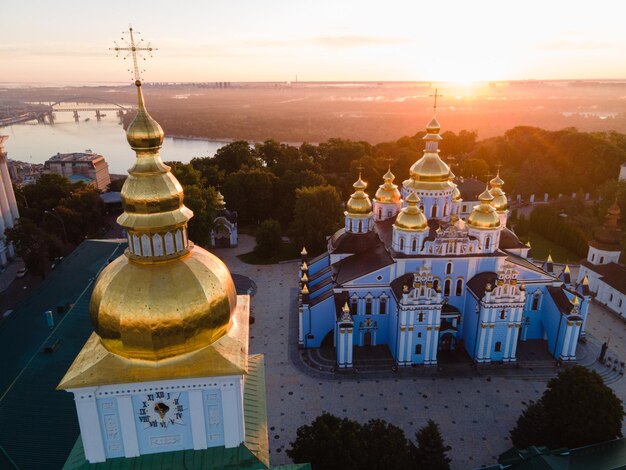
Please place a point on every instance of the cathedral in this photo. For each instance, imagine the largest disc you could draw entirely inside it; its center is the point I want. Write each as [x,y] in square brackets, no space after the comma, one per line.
[409,271]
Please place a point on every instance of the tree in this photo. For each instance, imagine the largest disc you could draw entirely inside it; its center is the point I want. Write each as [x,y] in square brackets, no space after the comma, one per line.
[430,452]
[202,201]
[268,238]
[475,167]
[35,246]
[251,194]
[233,156]
[317,214]
[531,429]
[116,185]
[576,410]
[328,443]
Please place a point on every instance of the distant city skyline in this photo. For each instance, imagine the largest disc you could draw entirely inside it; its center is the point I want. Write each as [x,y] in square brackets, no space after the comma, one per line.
[457,41]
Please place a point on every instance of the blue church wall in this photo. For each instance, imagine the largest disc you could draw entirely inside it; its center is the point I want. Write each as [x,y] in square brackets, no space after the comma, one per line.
[419,340]
[381,276]
[318,265]
[554,324]
[470,324]
[382,331]
[314,282]
[392,325]
[110,426]
[319,322]
[321,290]
[499,336]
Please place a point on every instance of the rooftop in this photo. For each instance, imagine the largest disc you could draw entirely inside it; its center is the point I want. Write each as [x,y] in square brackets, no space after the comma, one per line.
[87,156]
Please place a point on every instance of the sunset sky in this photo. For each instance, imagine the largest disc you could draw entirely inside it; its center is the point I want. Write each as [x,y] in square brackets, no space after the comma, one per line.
[248,40]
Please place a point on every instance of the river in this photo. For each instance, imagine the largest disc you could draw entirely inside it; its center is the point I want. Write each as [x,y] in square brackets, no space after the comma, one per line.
[35,143]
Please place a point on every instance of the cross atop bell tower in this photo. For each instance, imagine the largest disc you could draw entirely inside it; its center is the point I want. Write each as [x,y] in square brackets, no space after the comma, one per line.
[133,49]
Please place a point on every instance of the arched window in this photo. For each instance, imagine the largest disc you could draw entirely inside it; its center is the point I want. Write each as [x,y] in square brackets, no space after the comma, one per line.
[420,317]
[487,242]
[157,243]
[368,306]
[593,257]
[433,211]
[446,287]
[360,227]
[401,243]
[146,248]
[449,268]
[498,346]
[414,245]
[446,210]
[354,302]
[601,259]
[382,306]
[418,349]
[459,287]
[380,213]
[536,299]
[503,315]
[435,284]
[169,243]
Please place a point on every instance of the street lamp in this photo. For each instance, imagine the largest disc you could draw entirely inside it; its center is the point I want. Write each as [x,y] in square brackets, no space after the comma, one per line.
[60,219]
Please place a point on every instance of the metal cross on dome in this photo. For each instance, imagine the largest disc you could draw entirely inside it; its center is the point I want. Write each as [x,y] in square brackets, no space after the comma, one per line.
[436,95]
[133,49]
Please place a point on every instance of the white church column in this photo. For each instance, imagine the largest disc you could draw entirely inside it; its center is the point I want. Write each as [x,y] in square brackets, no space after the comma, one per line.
[481,342]
[409,345]
[349,346]
[514,346]
[300,327]
[232,406]
[341,349]
[9,189]
[427,352]
[198,422]
[90,432]
[568,335]
[127,423]
[489,341]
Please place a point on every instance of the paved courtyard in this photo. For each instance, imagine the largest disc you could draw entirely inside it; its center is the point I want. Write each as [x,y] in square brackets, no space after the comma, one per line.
[475,414]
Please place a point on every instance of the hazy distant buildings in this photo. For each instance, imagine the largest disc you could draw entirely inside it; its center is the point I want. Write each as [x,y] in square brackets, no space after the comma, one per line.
[88,167]
[8,205]
[622,172]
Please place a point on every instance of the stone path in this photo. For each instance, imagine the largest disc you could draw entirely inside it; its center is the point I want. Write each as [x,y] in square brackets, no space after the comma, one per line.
[475,411]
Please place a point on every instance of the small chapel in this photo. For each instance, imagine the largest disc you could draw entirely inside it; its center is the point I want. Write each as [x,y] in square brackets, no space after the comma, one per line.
[411,272]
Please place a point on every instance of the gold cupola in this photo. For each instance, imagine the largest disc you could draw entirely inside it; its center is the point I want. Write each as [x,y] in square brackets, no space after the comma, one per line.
[608,236]
[388,192]
[456,194]
[164,297]
[411,218]
[430,172]
[484,215]
[499,202]
[359,203]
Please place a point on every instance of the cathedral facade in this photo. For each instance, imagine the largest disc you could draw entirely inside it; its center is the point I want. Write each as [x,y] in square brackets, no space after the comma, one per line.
[408,270]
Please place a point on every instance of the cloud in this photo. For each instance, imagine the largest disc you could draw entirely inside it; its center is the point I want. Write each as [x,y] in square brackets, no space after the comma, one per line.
[358,41]
[573,45]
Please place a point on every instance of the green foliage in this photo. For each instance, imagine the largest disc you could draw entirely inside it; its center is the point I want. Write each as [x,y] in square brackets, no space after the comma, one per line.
[531,428]
[34,245]
[475,167]
[430,452]
[251,193]
[576,410]
[235,155]
[317,214]
[268,238]
[331,443]
[116,185]
[546,222]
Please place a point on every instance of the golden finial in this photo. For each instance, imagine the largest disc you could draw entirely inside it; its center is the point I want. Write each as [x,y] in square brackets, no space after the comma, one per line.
[566,270]
[575,301]
[305,290]
[304,266]
[585,280]
[304,278]
[549,260]
[303,252]
[346,308]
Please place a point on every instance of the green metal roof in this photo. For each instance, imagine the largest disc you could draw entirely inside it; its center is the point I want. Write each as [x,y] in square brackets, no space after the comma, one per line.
[39,424]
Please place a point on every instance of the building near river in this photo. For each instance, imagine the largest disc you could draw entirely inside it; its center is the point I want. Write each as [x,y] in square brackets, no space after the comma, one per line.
[88,167]
[411,272]
[8,206]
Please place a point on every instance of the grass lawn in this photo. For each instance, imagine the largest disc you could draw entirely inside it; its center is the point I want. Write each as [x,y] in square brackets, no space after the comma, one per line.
[540,247]
[287,251]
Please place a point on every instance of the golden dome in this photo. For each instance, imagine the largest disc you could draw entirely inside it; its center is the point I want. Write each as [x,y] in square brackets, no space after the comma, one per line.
[388,192]
[456,194]
[499,201]
[411,217]
[484,215]
[430,172]
[156,311]
[163,297]
[359,202]
[144,132]
[433,127]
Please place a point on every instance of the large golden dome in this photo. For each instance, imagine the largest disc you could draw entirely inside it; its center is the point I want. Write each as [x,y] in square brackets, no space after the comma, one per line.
[430,172]
[388,192]
[411,217]
[159,310]
[359,202]
[163,297]
[484,215]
